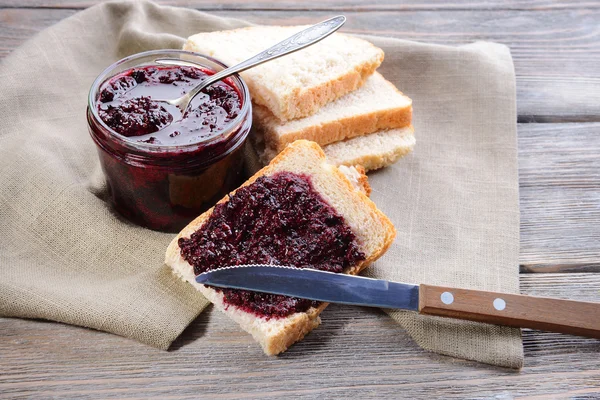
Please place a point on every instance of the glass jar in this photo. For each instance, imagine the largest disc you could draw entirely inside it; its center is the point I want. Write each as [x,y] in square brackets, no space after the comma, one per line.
[164,187]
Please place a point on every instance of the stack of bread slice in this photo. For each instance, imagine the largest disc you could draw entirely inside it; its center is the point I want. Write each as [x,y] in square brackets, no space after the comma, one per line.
[329,93]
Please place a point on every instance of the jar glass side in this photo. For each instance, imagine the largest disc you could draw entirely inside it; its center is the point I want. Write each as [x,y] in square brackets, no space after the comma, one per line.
[165,187]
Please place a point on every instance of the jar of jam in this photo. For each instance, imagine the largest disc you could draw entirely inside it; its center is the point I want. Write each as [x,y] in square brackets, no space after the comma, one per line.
[164,167]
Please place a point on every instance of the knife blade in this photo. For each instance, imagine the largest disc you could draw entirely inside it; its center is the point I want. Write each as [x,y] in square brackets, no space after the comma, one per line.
[315,285]
[557,315]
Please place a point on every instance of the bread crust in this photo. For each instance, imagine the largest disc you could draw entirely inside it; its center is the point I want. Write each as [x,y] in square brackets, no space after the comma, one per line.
[302,102]
[305,102]
[349,128]
[277,136]
[296,326]
[347,152]
[375,157]
[363,181]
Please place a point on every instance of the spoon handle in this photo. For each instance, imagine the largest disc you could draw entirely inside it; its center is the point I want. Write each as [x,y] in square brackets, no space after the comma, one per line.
[294,43]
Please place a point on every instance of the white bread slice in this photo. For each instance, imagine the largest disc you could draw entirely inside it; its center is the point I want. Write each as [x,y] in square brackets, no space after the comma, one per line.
[377,105]
[373,151]
[298,84]
[373,230]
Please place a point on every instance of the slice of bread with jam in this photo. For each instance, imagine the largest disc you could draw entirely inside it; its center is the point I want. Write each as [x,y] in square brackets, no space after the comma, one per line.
[301,211]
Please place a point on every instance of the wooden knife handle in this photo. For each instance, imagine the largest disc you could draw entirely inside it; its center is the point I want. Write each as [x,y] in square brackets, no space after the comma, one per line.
[555,315]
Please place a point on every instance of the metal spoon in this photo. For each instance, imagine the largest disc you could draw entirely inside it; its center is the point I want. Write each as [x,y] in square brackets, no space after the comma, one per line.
[300,40]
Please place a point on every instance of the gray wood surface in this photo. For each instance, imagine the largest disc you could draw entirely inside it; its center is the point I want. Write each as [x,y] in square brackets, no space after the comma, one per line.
[356,352]
[360,352]
[559,176]
[348,5]
[556,53]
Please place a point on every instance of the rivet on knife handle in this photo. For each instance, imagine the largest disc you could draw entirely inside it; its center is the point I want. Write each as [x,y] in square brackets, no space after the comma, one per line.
[556,315]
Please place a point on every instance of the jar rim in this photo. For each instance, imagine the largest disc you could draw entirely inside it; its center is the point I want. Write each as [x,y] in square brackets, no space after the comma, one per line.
[231,127]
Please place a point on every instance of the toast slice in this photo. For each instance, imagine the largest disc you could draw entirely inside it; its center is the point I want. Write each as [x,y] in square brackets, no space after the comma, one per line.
[372,230]
[300,83]
[376,106]
[372,151]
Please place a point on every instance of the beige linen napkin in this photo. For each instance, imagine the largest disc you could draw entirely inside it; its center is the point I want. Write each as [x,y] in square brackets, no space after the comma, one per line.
[66,256]
[455,199]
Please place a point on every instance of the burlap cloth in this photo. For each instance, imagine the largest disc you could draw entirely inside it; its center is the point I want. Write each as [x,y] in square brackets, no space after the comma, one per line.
[66,256]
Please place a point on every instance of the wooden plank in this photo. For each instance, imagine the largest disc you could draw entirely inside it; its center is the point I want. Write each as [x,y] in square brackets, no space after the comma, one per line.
[556,53]
[356,352]
[559,169]
[349,5]
[18,25]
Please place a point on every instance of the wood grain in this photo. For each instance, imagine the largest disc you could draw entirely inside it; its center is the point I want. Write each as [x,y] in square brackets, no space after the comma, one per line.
[519,311]
[18,25]
[559,175]
[351,5]
[357,352]
[556,53]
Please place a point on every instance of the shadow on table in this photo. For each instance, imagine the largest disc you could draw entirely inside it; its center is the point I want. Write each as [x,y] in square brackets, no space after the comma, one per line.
[194,331]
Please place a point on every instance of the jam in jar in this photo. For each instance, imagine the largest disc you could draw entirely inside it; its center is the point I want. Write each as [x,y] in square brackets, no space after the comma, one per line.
[164,167]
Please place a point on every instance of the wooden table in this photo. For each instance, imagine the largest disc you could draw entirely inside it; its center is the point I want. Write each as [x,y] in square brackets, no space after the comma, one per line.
[359,352]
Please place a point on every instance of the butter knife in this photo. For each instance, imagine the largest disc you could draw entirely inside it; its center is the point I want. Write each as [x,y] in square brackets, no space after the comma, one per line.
[549,314]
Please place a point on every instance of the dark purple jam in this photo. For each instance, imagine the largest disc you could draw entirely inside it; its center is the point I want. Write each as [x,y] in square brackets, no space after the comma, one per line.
[197,158]
[278,220]
[128,104]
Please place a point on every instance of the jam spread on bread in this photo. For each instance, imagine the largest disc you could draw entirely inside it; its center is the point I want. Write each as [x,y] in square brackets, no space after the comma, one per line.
[128,105]
[278,219]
